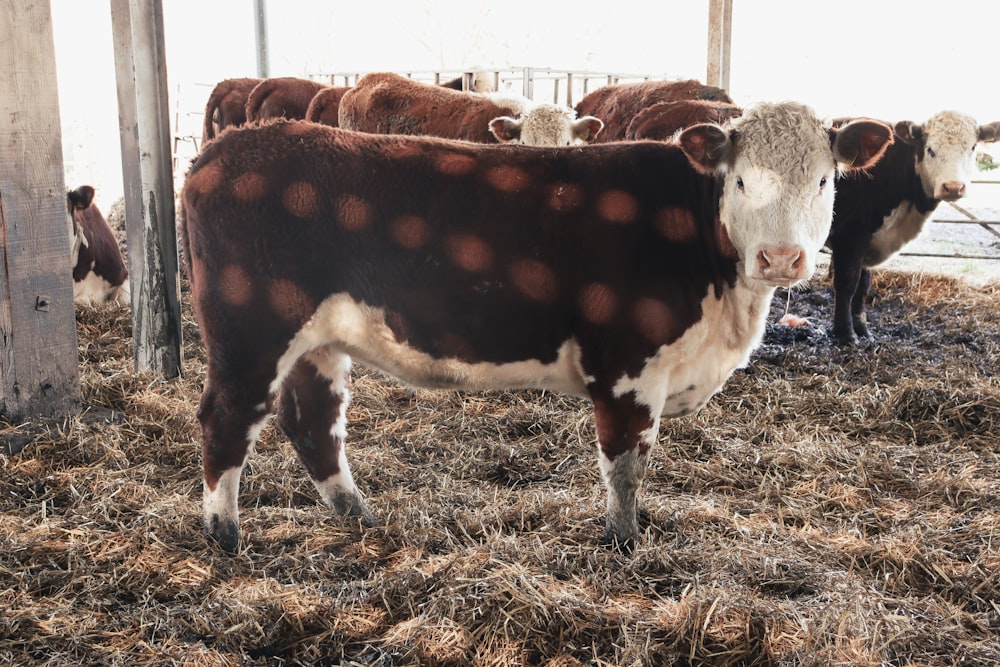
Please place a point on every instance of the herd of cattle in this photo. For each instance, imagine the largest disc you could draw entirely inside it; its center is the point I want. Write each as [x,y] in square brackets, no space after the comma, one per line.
[468,239]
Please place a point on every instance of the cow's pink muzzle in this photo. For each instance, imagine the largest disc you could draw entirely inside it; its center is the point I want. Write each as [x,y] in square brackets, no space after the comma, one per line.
[781,265]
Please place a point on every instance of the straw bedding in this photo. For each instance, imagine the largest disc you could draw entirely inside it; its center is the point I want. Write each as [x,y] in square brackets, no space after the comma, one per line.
[831,506]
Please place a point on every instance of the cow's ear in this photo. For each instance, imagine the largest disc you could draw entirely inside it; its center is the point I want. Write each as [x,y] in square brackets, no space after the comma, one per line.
[81,197]
[990,132]
[860,143]
[706,145]
[587,128]
[505,129]
[908,131]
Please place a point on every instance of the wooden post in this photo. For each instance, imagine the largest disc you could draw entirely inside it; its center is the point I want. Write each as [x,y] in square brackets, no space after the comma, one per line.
[144,119]
[38,349]
[720,27]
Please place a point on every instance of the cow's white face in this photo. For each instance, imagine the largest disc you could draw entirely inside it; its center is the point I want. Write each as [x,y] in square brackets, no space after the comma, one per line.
[945,159]
[546,125]
[778,163]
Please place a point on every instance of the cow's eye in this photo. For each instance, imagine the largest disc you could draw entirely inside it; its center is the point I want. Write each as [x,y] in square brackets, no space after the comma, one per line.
[822,183]
[739,184]
[930,152]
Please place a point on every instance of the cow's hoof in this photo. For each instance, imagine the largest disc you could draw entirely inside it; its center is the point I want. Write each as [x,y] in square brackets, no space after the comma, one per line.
[848,338]
[352,506]
[226,533]
[622,545]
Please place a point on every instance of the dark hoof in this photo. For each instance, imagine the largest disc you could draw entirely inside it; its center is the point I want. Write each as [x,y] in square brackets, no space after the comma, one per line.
[226,533]
[847,338]
[351,506]
[624,546]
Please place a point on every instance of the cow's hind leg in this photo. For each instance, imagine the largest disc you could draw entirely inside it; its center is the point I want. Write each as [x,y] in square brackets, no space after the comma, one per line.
[847,271]
[232,417]
[626,430]
[312,412]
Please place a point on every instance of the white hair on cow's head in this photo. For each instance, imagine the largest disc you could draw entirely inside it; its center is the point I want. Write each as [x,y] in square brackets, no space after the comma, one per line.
[778,163]
[945,152]
[546,125]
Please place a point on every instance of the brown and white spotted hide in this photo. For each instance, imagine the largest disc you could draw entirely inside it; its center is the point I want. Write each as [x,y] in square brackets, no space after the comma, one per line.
[226,106]
[388,103]
[636,274]
[878,211]
[281,97]
[99,270]
[618,104]
[324,107]
[663,120]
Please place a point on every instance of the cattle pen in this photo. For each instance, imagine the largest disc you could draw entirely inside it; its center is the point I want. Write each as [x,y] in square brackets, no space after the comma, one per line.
[830,506]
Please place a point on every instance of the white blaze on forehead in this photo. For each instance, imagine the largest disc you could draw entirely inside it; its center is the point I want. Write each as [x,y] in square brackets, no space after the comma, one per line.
[772,195]
[548,125]
[952,138]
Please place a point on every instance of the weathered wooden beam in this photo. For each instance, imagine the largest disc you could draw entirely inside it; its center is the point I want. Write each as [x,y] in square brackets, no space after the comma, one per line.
[144,120]
[38,347]
[720,29]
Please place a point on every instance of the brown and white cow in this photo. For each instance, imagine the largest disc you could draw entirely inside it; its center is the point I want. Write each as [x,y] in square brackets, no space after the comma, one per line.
[618,104]
[637,274]
[388,103]
[324,107]
[99,270]
[881,209]
[281,97]
[661,121]
[226,106]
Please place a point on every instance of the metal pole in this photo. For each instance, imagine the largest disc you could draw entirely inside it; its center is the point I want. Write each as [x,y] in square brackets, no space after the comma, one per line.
[260,23]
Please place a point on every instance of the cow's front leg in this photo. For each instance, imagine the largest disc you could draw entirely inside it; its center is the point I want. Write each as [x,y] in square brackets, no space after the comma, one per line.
[232,418]
[858,304]
[626,429]
[312,412]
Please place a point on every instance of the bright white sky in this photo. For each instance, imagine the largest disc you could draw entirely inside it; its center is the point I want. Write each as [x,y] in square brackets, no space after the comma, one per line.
[887,59]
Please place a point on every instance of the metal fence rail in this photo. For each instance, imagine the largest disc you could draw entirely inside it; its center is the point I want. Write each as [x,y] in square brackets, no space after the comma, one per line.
[977,219]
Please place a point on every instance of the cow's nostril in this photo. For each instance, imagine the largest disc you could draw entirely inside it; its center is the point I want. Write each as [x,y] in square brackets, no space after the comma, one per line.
[953,188]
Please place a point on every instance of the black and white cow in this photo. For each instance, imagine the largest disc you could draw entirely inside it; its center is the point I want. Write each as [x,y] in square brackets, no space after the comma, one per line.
[879,210]
[636,274]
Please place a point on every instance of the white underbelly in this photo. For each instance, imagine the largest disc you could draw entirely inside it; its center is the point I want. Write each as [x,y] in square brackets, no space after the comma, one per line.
[900,227]
[679,379]
[360,331]
[94,289]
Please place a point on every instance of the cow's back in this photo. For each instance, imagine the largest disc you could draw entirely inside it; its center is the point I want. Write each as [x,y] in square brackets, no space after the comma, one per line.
[281,97]
[324,107]
[662,120]
[388,103]
[226,106]
[618,104]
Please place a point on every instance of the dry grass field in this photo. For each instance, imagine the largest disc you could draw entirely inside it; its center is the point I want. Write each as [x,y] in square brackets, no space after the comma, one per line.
[830,506]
